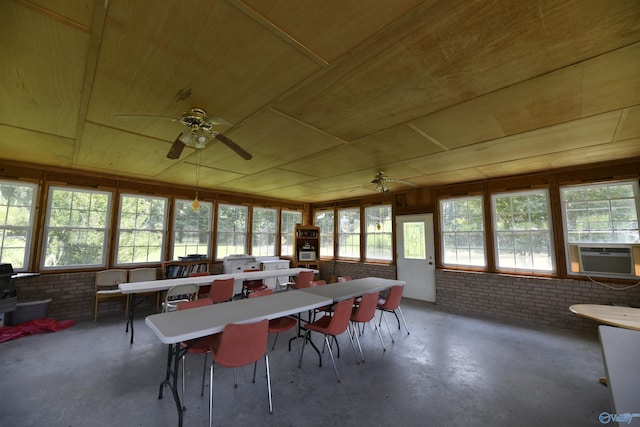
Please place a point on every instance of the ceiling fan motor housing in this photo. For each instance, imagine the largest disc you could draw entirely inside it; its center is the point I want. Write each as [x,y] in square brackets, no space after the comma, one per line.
[195,119]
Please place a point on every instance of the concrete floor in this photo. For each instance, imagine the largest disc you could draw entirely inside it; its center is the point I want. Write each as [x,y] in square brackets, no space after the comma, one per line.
[452,370]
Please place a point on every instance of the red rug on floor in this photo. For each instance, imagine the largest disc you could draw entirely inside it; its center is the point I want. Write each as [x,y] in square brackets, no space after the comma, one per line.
[32,327]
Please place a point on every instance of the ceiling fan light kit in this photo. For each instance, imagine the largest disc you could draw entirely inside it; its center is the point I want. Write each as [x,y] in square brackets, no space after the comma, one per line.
[381,188]
[186,137]
[199,132]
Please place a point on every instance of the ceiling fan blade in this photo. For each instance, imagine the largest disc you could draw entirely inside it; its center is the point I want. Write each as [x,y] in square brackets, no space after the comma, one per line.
[217,121]
[143,116]
[235,147]
[176,149]
[402,181]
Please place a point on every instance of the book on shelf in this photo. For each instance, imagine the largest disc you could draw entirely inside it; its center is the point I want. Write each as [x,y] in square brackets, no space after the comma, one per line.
[173,271]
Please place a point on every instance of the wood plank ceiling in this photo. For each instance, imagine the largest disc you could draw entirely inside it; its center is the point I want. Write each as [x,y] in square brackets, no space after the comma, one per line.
[323,93]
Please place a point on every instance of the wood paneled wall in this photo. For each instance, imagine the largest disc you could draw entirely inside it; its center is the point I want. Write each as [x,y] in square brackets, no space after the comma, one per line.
[476,293]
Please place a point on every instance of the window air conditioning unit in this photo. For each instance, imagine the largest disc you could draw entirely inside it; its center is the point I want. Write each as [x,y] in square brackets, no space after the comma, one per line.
[604,259]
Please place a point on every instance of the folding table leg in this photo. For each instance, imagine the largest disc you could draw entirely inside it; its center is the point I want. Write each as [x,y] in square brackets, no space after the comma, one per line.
[171,377]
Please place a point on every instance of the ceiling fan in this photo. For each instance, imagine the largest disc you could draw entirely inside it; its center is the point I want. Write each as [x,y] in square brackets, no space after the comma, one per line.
[382,182]
[199,132]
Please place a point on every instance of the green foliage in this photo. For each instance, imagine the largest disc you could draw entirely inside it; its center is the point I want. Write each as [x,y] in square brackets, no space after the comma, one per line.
[16,221]
[77,227]
[232,230]
[141,229]
[192,229]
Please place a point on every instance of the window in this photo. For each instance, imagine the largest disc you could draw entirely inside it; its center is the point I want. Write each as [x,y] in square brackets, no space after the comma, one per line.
[601,213]
[378,232]
[232,230]
[264,232]
[462,231]
[192,229]
[141,230]
[413,243]
[288,224]
[522,231]
[17,206]
[325,220]
[349,233]
[76,228]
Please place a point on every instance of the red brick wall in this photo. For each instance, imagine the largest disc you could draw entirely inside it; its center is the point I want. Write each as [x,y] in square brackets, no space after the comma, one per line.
[530,300]
[356,270]
[72,294]
[538,301]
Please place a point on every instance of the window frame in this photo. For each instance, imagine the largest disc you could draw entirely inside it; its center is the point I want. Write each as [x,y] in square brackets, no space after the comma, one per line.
[592,185]
[188,206]
[514,231]
[28,228]
[346,235]
[482,232]
[327,238]
[234,233]
[106,229]
[286,234]
[270,236]
[382,233]
[120,230]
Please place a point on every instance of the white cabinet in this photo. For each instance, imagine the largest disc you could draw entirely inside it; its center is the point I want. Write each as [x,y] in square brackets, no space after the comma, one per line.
[275,264]
[238,264]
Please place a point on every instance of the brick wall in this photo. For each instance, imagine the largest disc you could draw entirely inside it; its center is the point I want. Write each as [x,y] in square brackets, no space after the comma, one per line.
[538,301]
[72,294]
[530,300]
[356,270]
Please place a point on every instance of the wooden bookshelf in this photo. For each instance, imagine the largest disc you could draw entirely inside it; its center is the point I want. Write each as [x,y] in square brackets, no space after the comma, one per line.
[306,239]
[176,269]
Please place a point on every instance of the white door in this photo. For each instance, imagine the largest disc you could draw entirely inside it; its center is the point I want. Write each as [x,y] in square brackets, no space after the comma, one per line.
[416,262]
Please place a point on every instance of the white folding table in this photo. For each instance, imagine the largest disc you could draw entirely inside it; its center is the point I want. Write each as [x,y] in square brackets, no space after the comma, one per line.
[175,327]
[162,285]
[352,288]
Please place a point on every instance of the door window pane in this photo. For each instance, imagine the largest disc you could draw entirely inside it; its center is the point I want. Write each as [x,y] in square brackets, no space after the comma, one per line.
[414,244]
